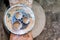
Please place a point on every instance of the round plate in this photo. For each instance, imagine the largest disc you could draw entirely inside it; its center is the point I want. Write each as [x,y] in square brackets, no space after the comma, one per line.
[10,13]
[40,19]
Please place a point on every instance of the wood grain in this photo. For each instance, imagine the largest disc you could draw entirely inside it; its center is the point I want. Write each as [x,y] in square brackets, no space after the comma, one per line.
[23,37]
[26,2]
[27,36]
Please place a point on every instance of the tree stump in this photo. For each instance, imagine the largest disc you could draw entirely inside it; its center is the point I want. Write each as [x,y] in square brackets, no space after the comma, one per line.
[37,11]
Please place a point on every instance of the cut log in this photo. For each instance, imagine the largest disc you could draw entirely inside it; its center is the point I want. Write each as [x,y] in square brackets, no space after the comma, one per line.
[39,24]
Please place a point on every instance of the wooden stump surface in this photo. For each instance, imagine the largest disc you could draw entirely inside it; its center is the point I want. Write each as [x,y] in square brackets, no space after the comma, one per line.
[5,37]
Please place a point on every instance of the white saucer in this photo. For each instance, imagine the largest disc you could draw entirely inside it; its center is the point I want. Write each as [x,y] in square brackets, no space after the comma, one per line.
[9,19]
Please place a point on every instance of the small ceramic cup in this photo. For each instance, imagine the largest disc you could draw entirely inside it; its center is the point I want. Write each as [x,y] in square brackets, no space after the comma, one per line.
[26,20]
[18,15]
[17,25]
